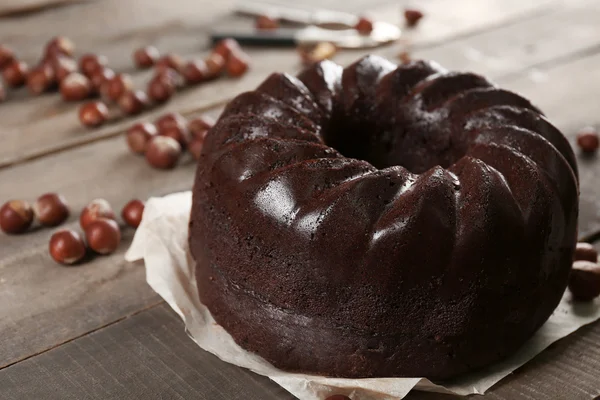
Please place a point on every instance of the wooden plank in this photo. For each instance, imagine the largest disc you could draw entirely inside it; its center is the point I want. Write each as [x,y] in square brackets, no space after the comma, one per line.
[36,292]
[566,370]
[26,132]
[147,356]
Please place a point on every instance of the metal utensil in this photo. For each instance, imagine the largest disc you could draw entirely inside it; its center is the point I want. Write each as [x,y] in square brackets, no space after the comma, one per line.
[349,38]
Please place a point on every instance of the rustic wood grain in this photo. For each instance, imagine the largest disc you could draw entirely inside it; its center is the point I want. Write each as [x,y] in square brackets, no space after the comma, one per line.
[147,356]
[26,121]
[502,39]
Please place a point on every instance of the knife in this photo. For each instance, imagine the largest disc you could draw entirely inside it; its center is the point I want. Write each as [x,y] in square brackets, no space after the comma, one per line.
[382,33]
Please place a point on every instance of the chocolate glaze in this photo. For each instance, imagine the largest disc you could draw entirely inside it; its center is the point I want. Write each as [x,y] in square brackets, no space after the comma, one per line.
[381,221]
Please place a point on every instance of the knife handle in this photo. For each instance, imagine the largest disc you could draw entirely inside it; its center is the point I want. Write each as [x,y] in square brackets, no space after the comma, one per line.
[279,38]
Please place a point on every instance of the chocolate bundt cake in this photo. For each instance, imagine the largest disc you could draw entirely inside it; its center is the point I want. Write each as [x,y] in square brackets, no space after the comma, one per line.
[382,220]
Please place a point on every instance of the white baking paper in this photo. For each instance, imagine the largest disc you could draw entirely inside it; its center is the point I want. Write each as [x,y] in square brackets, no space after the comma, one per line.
[161,241]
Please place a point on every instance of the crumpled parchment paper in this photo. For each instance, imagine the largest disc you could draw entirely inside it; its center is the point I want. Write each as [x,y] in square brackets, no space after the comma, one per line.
[161,241]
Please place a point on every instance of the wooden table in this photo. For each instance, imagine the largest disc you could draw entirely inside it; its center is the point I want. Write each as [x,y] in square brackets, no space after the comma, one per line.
[98,331]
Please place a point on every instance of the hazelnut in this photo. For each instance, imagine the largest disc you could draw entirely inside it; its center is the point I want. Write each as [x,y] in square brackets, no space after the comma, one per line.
[16,216]
[63,67]
[412,16]
[584,281]
[75,87]
[338,397]
[169,75]
[585,251]
[89,63]
[145,57]
[264,22]
[195,147]
[103,235]
[587,140]
[133,102]
[195,71]
[139,135]
[364,26]
[66,247]
[172,61]
[237,63]
[98,208]
[215,64]
[163,152]
[404,57]
[93,114]
[15,73]
[40,79]
[51,209]
[7,56]
[160,90]
[169,120]
[101,75]
[132,213]
[225,47]
[199,126]
[179,133]
[319,52]
[116,87]
[60,45]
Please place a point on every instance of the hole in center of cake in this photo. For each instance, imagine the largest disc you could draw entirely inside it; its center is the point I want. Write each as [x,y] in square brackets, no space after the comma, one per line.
[415,144]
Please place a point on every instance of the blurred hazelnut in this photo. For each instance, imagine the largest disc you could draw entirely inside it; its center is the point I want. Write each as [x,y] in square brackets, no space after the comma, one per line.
[584,281]
[225,47]
[412,16]
[585,251]
[103,235]
[116,87]
[215,65]
[170,60]
[364,26]
[89,63]
[93,114]
[319,52]
[404,57]
[133,102]
[15,73]
[169,120]
[66,247]
[63,67]
[96,209]
[51,209]
[195,71]
[179,133]
[100,76]
[16,216]
[40,79]
[195,147]
[264,22]
[7,56]
[587,140]
[60,45]
[163,152]
[75,87]
[145,57]
[132,213]
[199,126]
[237,63]
[169,75]
[139,135]
[160,90]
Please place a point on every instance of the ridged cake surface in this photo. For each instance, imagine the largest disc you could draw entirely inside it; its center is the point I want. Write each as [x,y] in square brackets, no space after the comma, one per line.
[381,220]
